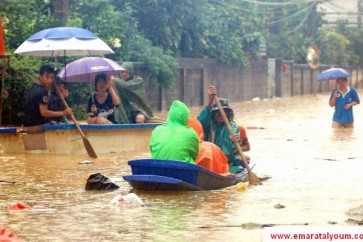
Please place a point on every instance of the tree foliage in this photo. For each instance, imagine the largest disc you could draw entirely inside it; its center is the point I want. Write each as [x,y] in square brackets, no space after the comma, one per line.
[156,32]
[344,45]
[291,30]
[214,29]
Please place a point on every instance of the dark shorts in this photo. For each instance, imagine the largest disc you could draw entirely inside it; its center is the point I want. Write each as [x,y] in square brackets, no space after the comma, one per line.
[240,161]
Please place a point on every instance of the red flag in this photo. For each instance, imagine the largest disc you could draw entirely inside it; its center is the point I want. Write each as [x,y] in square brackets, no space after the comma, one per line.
[2,48]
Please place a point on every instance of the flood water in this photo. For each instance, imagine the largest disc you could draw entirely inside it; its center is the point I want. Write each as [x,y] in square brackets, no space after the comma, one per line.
[316,173]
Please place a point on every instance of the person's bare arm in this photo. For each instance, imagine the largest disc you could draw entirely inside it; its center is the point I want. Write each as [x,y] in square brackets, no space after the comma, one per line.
[115,98]
[349,105]
[212,91]
[333,99]
[46,113]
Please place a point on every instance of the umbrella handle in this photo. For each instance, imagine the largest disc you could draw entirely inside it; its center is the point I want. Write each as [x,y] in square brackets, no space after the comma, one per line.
[93,98]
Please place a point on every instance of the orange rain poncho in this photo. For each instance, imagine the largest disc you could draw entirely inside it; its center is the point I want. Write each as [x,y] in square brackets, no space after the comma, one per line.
[210,155]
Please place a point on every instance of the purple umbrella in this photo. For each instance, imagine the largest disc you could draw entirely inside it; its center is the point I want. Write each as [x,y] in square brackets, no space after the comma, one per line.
[86,69]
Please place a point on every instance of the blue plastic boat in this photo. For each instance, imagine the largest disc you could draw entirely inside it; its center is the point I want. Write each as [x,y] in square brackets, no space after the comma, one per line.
[149,174]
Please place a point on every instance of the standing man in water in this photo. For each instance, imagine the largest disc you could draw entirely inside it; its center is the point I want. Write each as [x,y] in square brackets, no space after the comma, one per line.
[343,98]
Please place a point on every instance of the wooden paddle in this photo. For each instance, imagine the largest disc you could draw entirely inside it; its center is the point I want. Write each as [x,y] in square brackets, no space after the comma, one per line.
[252,178]
[91,152]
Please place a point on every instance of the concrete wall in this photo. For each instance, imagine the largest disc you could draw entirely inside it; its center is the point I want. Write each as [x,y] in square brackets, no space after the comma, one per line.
[263,78]
[298,79]
[195,75]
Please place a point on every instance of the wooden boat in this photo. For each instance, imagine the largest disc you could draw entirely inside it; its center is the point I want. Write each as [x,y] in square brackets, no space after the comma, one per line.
[149,174]
[64,139]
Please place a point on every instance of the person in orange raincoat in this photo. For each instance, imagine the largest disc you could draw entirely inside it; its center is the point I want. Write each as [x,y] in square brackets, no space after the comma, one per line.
[210,155]
[245,144]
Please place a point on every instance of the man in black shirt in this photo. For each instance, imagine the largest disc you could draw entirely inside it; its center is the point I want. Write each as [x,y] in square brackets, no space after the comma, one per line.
[36,110]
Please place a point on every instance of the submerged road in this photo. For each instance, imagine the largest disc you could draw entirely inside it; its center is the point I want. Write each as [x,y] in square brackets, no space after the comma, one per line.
[316,174]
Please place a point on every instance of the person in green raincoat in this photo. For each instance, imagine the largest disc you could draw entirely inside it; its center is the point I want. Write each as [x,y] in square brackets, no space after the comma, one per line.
[131,90]
[174,140]
[216,131]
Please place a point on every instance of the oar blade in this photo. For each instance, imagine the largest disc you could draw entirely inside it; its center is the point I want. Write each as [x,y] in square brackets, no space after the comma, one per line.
[253,180]
[91,152]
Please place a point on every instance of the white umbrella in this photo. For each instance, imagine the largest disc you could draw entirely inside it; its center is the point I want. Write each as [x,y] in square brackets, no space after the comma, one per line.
[67,41]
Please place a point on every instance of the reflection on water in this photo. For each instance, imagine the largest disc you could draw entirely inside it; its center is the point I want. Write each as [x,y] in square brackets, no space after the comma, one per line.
[316,174]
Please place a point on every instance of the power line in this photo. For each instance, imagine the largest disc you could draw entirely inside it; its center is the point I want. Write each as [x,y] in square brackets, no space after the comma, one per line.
[293,15]
[303,20]
[289,7]
[253,8]
[270,8]
[340,8]
[278,3]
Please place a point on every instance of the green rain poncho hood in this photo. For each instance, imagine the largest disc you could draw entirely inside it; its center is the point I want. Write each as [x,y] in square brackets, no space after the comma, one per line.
[130,69]
[174,140]
[133,96]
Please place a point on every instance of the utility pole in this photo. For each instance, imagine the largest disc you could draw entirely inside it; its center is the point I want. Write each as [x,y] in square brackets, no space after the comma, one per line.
[360,12]
[311,21]
[61,10]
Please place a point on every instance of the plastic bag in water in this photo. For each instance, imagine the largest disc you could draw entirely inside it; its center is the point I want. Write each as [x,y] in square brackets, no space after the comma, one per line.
[356,213]
[100,182]
[18,206]
[129,199]
[8,236]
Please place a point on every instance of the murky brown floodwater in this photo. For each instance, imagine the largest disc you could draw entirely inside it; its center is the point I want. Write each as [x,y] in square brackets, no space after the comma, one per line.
[317,175]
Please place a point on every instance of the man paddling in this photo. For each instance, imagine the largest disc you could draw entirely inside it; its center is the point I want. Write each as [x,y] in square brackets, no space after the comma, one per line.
[36,110]
[216,131]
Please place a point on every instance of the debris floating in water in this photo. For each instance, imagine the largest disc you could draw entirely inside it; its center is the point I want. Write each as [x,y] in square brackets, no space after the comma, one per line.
[356,213]
[265,178]
[241,187]
[7,182]
[100,182]
[42,208]
[252,225]
[129,199]
[85,162]
[35,208]
[39,186]
[354,221]
[279,206]
[18,206]
[8,236]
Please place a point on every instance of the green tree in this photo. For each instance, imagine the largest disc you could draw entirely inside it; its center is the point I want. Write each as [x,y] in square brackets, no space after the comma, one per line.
[114,23]
[292,29]
[36,15]
[216,29]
